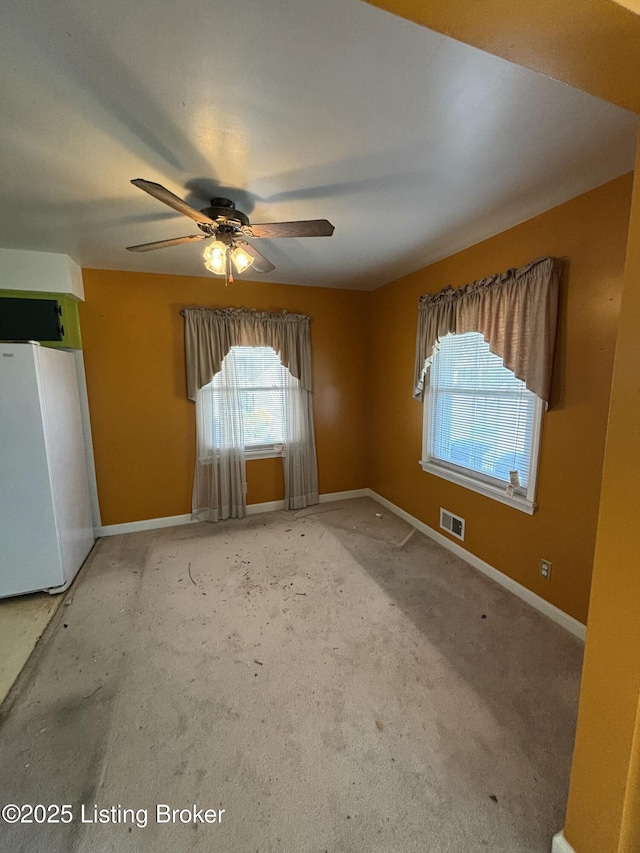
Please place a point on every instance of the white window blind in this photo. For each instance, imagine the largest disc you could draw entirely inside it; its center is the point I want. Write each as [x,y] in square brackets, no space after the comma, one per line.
[261,385]
[482,420]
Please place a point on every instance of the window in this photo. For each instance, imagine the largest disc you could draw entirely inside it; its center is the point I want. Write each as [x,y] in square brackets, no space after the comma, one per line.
[261,385]
[481,424]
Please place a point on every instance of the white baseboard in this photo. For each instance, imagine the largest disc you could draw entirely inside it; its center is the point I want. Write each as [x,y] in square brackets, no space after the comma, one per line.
[344,496]
[561,845]
[147,524]
[267,506]
[270,506]
[559,616]
[175,520]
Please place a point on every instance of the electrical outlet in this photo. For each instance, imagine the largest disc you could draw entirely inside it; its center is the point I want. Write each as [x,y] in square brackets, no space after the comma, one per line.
[545,569]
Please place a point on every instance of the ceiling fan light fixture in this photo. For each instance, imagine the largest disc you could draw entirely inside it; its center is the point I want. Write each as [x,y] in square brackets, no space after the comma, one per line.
[215,257]
[242,260]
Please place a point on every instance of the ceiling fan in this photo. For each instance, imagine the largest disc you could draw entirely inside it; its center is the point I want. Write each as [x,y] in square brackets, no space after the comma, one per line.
[228,227]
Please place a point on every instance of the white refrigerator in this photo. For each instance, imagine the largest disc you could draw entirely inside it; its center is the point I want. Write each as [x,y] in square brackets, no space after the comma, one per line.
[46,529]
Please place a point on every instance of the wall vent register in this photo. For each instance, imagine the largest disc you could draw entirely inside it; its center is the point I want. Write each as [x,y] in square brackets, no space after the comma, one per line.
[453,524]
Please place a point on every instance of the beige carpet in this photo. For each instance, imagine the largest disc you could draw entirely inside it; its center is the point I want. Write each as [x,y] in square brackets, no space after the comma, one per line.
[23,618]
[330,682]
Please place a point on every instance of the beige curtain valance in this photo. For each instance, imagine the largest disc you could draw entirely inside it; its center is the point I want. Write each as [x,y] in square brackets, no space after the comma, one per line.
[211,332]
[516,312]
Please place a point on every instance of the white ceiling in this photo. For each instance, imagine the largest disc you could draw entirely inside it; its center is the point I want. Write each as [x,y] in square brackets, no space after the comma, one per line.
[413,145]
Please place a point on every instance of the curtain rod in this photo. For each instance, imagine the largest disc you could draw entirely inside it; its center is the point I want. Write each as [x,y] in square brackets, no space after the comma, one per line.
[271,315]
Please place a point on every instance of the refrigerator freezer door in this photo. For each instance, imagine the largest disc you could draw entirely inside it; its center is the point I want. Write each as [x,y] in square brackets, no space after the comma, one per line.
[60,404]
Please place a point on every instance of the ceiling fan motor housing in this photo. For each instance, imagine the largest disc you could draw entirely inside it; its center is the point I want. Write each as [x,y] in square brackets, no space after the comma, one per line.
[223,211]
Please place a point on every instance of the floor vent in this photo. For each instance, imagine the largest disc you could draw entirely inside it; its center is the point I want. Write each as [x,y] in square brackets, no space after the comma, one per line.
[453,524]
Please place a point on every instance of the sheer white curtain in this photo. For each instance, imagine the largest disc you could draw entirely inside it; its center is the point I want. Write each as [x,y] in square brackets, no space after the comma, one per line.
[219,481]
[300,465]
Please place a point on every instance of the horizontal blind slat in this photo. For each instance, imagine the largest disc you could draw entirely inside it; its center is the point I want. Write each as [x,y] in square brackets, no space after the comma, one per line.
[481,413]
[261,386]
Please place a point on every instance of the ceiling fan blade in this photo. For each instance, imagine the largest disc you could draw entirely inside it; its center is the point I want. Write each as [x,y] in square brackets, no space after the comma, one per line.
[163,195]
[303,228]
[260,263]
[163,244]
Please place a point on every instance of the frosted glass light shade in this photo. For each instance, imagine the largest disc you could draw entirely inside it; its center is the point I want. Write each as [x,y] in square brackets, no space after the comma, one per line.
[215,257]
[242,260]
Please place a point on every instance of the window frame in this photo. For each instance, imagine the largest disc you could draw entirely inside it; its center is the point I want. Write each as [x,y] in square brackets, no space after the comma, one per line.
[483,484]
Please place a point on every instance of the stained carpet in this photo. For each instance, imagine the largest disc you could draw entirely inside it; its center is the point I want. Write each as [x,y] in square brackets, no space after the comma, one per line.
[332,680]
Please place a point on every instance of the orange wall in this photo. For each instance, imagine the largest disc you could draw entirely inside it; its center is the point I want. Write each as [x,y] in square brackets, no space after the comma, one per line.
[143,425]
[589,231]
[603,813]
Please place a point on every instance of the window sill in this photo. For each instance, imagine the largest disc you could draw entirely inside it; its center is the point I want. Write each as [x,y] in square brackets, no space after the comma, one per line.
[263,453]
[496,493]
[256,453]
